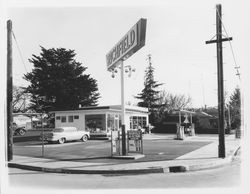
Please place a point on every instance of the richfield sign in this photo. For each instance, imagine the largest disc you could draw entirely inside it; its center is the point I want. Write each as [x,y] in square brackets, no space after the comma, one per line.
[131,42]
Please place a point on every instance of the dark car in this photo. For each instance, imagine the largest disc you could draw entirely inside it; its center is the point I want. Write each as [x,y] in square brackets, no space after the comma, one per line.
[18,130]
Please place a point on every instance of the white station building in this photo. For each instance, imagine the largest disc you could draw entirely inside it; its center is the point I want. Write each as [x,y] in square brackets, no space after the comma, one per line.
[101,120]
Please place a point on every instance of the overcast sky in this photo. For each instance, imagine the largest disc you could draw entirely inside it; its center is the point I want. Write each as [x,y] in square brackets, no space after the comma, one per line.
[175,37]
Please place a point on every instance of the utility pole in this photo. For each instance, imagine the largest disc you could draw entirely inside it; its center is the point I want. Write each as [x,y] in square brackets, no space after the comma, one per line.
[9,93]
[218,41]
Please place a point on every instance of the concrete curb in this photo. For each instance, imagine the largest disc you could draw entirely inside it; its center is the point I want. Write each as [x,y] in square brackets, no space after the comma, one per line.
[75,171]
[169,169]
[208,165]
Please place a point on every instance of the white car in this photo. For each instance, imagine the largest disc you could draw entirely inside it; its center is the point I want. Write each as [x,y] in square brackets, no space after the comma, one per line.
[63,134]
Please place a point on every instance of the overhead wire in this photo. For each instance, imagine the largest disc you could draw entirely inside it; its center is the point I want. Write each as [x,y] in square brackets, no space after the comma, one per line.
[19,51]
[231,47]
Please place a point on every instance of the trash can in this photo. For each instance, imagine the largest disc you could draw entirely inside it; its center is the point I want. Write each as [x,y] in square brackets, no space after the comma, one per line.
[238,133]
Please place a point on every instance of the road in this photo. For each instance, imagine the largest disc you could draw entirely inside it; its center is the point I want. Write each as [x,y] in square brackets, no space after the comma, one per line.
[227,176]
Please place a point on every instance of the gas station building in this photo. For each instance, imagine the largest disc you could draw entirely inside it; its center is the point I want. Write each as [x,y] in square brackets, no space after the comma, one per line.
[101,120]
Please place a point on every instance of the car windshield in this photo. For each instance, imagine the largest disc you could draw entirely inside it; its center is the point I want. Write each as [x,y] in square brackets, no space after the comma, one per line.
[58,130]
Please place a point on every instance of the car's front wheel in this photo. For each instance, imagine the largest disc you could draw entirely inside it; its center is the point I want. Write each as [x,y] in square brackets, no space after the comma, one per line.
[61,140]
[21,132]
[84,138]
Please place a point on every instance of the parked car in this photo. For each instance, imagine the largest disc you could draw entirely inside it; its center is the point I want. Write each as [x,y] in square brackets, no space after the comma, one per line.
[63,134]
[18,130]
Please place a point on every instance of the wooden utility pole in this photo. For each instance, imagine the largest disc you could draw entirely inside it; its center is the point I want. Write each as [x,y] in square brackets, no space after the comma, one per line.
[9,92]
[221,105]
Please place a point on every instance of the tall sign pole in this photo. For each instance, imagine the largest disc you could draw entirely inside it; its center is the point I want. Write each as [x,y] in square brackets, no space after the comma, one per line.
[9,92]
[123,111]
[130,43]
[221,111]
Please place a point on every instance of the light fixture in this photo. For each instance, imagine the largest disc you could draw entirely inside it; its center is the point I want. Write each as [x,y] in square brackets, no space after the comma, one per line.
[113,75]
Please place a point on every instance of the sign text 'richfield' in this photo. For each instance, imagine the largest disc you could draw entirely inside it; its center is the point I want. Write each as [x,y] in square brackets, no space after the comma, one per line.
[133,40]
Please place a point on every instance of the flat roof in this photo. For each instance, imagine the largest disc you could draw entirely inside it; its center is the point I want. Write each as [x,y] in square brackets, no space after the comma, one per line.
[110,107]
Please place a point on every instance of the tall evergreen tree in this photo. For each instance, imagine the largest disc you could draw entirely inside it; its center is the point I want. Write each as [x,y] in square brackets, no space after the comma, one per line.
[235,108]
[57,81]
[149,95]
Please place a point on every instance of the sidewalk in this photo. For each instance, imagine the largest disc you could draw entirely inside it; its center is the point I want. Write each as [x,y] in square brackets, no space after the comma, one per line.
[203,158]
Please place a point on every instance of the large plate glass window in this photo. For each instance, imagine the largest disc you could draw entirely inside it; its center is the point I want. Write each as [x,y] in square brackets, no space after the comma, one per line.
[114,122]
[95,123]
[136,121]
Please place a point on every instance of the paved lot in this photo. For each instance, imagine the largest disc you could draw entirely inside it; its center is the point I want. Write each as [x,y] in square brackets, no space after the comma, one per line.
[92,158]
[156,148]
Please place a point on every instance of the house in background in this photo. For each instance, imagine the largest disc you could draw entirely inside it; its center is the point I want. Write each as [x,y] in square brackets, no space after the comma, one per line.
[206,123]
[21,120]
[174,119]
[202,122]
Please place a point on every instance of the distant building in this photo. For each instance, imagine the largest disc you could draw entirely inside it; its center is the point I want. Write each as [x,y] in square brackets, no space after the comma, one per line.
[203,122]
[206,123]
[21,120]
[173,119]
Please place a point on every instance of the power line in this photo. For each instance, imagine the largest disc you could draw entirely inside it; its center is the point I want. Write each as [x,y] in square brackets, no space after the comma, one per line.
[231,47]
[19,51]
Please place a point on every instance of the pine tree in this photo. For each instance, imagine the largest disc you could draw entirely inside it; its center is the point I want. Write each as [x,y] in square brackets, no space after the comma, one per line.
[235,106]
[149,95]
[57,81]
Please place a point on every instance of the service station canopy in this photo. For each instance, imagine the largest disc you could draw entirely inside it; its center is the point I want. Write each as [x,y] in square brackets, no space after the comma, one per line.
[131,42]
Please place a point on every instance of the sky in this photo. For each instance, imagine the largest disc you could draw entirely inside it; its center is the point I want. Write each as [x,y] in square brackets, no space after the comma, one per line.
[175,37]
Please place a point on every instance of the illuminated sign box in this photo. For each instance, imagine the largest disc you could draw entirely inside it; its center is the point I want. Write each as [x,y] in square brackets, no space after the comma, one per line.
[131,42]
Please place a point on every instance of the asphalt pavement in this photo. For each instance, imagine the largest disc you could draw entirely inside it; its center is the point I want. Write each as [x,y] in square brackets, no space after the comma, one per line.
[98,151]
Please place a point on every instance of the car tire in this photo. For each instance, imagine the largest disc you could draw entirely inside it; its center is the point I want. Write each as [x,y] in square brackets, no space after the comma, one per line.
[61,140]
[84,138]
[21,132]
